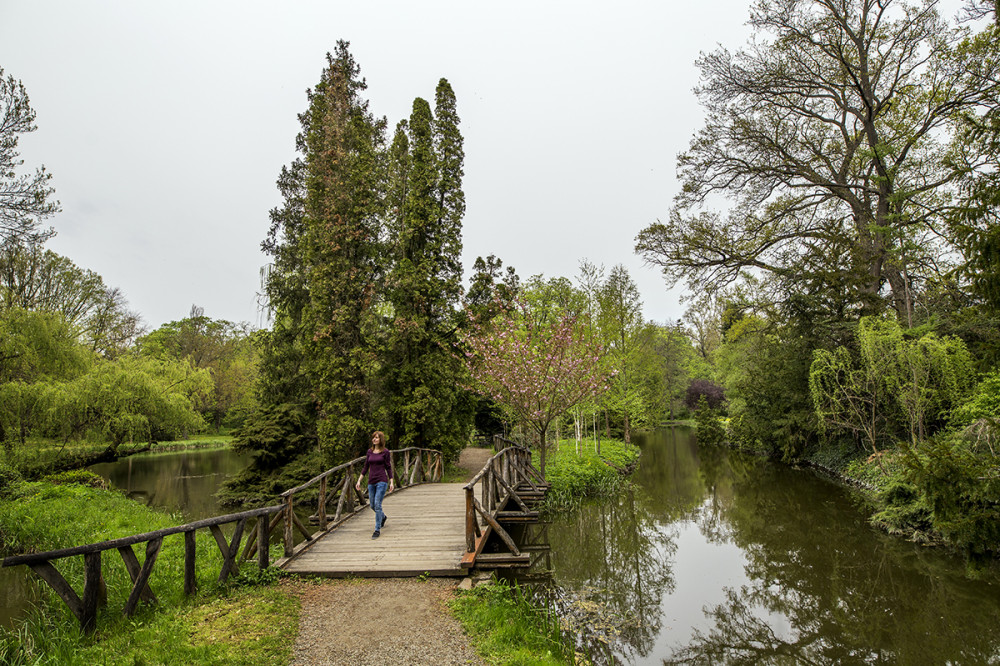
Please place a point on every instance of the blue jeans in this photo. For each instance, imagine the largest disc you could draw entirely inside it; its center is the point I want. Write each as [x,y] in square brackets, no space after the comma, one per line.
[375,494]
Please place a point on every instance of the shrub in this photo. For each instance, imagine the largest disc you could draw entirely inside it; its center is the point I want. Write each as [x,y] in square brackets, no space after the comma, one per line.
[705,389]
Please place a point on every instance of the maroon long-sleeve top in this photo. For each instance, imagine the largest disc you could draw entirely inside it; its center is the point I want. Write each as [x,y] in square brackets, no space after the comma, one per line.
[378,466]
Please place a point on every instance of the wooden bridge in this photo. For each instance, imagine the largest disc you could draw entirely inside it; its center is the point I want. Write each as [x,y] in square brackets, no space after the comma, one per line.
[433,528]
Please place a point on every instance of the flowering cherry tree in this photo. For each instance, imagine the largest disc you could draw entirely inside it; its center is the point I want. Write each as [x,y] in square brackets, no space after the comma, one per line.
[534,371]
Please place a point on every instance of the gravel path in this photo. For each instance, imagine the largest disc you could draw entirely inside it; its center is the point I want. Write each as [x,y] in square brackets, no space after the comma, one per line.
[384,620]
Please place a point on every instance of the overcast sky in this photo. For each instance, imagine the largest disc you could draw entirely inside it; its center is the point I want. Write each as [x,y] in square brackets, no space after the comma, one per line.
[165,125]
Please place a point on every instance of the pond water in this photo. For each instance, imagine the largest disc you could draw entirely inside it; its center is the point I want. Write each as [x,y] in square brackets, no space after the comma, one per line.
[184,482]
[716,557]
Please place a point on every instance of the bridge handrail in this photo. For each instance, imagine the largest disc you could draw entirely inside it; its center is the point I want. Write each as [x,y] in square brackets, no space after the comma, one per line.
[100,546]
[499,480]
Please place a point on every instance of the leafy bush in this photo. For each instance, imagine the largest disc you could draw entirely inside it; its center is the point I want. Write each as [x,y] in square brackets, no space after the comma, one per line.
[704,389]
[983,404]
[961,486]
[710,429]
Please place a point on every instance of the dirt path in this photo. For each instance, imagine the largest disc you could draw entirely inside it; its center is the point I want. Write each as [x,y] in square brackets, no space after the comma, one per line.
[383,621]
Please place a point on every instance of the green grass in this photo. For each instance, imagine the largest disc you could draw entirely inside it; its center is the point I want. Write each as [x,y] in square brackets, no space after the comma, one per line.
[241,622]
[575,476]
[506,629]
[201,441]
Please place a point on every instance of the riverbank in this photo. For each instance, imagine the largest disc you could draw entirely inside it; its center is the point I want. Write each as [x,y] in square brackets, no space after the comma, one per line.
[577,471]
[928,494]
[40,458]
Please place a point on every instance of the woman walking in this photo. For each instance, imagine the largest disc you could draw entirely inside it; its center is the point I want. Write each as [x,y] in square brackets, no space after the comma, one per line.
[378,467]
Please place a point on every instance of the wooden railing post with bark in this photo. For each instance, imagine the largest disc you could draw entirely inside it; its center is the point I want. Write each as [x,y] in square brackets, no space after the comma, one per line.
[507,477]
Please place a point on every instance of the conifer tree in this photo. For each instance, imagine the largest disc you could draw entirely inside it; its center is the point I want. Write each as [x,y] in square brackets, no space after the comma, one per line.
[423,375]
[343,211]
[324,281]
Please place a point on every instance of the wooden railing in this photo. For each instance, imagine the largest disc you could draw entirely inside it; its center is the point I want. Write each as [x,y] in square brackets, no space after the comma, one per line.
[94,588]
[507,476]
[419,465]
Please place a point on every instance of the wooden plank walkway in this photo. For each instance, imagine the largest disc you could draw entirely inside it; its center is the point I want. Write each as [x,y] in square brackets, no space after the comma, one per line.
[424,534]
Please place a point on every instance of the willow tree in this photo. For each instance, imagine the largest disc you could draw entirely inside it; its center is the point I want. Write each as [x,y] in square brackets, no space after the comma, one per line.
[826,133]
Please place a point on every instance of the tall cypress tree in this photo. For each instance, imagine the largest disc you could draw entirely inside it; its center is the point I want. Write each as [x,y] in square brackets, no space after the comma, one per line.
[343,215]
[424,374]
[448,145]
[328,263]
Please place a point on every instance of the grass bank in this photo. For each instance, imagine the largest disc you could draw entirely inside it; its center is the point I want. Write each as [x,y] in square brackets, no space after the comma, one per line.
[248,620]
[506,629]
[502,623]
[37,458]
[578,472]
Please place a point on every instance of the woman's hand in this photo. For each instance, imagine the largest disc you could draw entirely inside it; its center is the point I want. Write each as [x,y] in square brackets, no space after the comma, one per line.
[392,485]
[357,486]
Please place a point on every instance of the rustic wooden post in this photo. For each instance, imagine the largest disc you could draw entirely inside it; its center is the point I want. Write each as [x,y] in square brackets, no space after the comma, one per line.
[190,584]
[230,551]
[135,572]
[350,487]
[470,521]
[322,503]
[91,586]
[406,464]
[263,547]
[289,524]
[140,582]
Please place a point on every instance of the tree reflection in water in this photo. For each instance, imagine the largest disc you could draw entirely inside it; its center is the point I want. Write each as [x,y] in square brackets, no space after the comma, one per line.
[842,592]
[815,584]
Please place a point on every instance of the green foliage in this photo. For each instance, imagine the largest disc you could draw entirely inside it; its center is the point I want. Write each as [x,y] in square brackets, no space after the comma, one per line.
[10,478]
[764,369]
[81,477]
[52,386]
[576,471]
[36,346]
[275,435]
[710,429]
[36,279]
[506,628]
[223,349]
[896,376]
[905,512]
[984,403]
[960,483]
[283,447]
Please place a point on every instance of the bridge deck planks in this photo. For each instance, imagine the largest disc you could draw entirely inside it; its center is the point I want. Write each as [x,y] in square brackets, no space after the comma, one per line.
[424,533]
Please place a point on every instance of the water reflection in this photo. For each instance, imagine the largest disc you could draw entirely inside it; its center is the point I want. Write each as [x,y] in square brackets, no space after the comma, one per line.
[185,481]
[725,558]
